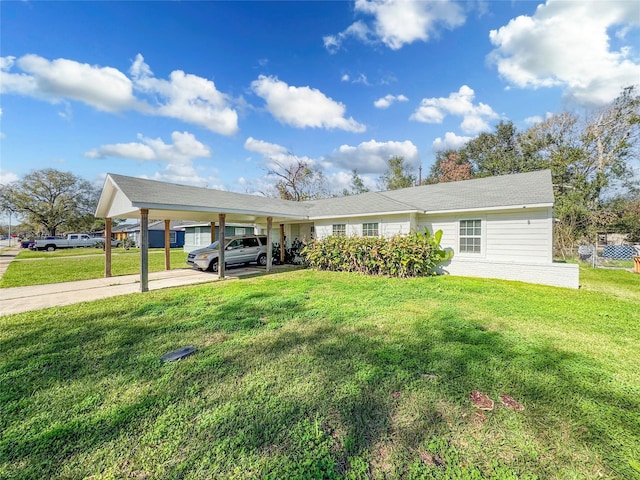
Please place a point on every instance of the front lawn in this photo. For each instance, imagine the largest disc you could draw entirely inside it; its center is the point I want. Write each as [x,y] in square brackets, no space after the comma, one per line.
[326,375]
[41,268]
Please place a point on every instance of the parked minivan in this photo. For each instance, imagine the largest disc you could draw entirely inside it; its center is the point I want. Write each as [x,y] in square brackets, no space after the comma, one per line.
[238,249]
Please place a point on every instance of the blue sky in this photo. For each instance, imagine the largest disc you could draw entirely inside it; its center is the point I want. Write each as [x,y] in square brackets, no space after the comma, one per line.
[213,93]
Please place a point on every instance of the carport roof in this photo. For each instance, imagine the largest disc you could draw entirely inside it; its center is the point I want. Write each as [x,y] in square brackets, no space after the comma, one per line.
[123,197]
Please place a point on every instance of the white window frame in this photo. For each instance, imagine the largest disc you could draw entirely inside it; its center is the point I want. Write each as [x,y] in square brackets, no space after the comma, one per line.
[342,233]
[369,231]
[476,234]
[173,237]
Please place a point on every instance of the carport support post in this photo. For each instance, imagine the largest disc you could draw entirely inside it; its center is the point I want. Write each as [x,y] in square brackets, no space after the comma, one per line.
[269,248]
[167,245]
[213,232]
[282,245]
[221,221]
[107,247]
[144,250]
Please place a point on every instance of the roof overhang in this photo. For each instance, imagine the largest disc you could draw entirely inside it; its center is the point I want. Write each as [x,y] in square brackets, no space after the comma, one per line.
[488,209]
[360,215]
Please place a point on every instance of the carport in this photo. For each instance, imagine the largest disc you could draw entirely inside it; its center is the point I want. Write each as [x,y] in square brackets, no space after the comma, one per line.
[141,199]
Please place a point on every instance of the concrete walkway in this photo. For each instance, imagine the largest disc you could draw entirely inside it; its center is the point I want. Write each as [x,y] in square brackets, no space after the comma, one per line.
[35,297]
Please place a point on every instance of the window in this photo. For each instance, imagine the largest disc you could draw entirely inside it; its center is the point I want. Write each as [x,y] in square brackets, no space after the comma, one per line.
[470,236]
[235,244]
[173,237]
[250,242]
[369,229]
[241,231]
[339,229]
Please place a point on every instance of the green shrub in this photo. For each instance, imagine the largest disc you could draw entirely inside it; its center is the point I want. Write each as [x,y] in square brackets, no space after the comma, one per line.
[413,255]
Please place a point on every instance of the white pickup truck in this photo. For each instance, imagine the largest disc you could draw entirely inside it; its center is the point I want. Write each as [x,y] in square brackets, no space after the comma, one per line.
[73,240]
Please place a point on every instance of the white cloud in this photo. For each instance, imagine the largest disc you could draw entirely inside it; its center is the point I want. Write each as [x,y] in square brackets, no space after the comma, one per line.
[186,97]
[133,150]
[460,103]
[388,100]
[274,155]
[183,96]
[104,88]
[303,107]
[567,44]
[358,30]
[7,177]
[398,22]
[372,156]
[265,149]
[451,141]
[178,156]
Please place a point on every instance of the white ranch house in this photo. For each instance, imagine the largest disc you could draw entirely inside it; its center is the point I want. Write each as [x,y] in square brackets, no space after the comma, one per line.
[498,227]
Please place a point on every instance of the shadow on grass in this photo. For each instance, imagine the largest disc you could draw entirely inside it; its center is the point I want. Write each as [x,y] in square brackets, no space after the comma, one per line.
[280,391]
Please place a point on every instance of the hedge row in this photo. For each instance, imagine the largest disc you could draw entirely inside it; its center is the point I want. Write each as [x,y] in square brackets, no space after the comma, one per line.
[416,254]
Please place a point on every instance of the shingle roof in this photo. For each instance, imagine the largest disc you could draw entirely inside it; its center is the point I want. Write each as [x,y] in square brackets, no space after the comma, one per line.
[534,188]
[531,188]
[148,193]
[365,203]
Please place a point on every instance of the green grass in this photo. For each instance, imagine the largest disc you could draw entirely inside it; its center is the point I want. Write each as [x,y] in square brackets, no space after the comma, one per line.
[40,268]
[327,375]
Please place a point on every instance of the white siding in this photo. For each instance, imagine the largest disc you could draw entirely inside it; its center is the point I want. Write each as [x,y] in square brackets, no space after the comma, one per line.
[523,235]
[520,236]
[387,226]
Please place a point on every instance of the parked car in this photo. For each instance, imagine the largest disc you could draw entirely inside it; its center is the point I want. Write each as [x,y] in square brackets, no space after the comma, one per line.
[26,243]
[73,240]
[238,249]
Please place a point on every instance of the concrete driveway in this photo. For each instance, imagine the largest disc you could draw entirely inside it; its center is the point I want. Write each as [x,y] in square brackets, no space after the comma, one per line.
[35,297]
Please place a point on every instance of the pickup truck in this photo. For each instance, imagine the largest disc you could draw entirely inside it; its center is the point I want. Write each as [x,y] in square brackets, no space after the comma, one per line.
[73,240]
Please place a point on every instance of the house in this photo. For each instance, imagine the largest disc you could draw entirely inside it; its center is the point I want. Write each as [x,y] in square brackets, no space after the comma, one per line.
[198,235]
[120,232]
[497,227]
[157,232]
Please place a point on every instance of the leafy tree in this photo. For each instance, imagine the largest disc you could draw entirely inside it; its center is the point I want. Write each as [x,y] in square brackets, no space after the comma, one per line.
[398,175]
[625,214]
[356,185]
[498,153]
[298,181]
[52,200]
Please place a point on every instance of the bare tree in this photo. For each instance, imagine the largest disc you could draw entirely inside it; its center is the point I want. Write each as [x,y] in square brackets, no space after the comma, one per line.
[298,180]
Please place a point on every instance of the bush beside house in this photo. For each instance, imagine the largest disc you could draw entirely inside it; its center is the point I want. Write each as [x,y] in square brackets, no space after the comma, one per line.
[417,254]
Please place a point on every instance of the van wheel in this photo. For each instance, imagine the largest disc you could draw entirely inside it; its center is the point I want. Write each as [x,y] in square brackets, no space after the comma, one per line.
[262,260]
[213,266]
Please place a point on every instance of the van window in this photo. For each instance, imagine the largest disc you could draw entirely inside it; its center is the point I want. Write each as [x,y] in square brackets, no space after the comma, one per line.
[250,242]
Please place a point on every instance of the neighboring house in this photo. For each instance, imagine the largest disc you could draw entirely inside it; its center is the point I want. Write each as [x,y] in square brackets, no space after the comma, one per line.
[119,232]
[156,233]
[198,235]
[498,227]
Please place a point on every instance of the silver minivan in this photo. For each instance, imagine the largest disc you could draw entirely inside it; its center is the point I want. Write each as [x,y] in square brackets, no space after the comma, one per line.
[239,249]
